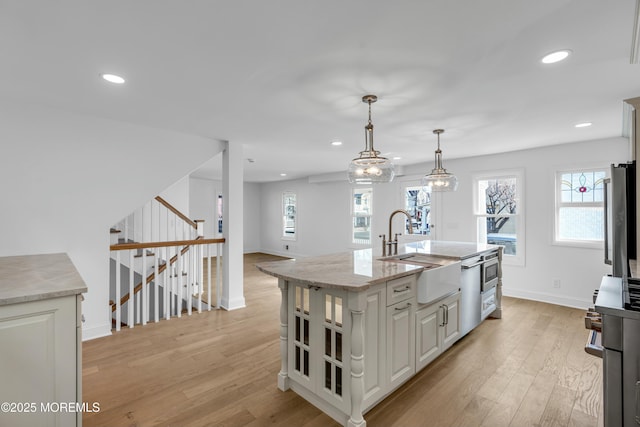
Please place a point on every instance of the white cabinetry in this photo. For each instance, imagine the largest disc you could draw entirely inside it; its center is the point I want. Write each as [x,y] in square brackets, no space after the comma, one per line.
[401,303]
[437,328]
[40,362]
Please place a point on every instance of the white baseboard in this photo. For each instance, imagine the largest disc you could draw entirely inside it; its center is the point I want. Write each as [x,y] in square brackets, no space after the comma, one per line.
[96,332]
[549,298]
[232,304]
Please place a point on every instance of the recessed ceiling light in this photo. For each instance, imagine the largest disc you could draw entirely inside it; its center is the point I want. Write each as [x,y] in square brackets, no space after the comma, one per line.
[283,174]
[336,143]
[112,78]
[584,125]
[397,158]
[556,56]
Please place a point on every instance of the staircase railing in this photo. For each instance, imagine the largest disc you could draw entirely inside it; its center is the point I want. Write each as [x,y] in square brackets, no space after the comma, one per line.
[164,251]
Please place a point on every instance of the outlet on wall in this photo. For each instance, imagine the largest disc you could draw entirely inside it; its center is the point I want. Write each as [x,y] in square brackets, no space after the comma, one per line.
[556,283]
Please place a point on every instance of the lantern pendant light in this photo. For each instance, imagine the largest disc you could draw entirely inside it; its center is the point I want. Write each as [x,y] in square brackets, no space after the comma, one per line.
[370,167]
[439,179]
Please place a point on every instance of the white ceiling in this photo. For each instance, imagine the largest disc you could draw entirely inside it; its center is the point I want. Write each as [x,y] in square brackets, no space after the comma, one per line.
[286,77]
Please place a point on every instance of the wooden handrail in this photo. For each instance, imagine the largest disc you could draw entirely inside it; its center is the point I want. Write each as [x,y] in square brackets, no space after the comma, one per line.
[176,211]
[161,268]
[199,241]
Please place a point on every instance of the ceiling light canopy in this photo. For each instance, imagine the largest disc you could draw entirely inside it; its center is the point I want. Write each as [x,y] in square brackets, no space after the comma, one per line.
[370,167]
[583,125]
[556,56]
[439,179]
[112,78]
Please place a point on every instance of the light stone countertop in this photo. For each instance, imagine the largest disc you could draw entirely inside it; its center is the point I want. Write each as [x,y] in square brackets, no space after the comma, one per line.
[37,277]
[361,269]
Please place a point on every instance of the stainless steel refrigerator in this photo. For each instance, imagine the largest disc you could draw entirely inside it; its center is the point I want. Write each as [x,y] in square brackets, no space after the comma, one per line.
[620,218]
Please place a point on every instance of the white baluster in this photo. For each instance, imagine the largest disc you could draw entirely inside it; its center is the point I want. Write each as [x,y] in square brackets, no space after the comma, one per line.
[210,276]
[189,289]
[156,286]
[199,251]
[131,302]
[179,280]
[145,295]
[167,283]
[218,277]
[118,284]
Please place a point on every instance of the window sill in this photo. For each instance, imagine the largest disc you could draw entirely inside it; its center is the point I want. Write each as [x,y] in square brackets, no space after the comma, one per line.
[578,244]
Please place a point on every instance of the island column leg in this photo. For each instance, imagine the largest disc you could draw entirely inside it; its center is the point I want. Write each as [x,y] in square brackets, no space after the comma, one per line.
[357,307]
[283,375]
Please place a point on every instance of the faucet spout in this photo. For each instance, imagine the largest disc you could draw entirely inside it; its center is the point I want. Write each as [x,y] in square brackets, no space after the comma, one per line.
[391,221]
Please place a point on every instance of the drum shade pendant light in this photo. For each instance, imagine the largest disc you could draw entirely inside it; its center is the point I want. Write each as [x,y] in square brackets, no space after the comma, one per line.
[370,167]
[439,179]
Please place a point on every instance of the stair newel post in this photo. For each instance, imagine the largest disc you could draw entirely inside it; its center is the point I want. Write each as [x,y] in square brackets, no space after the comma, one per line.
[130,304]
[156,287]
[118,285]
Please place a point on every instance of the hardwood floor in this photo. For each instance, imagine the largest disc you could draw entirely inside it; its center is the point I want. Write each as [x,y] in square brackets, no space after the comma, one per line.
[219,369]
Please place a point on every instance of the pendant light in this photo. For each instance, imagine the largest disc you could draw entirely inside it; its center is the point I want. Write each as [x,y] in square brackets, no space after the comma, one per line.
[439,179]
[370,167]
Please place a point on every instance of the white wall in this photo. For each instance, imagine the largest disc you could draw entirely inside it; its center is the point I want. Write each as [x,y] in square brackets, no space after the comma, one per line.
[203,199]
[324,221]
[65,179]
[324,217]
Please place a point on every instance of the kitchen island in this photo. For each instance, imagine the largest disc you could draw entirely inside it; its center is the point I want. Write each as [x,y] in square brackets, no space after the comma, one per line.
[355,326]
[41,335]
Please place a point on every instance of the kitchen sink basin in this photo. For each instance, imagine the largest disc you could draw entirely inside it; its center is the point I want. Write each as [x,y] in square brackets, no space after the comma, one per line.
[422,260]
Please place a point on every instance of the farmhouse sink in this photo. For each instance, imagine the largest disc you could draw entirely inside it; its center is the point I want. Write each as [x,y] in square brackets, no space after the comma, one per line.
[440,277]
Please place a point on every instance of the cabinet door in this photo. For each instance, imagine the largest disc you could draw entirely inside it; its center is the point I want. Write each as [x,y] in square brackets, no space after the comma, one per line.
[335,347]
[300,343]
[400,342]
[451,332]
[38,361]
[428,327]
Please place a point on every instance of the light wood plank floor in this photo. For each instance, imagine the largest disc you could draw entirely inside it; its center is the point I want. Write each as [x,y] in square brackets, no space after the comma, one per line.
[219,369]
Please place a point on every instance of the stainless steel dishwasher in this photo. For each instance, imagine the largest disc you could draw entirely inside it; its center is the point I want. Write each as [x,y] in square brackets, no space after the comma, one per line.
[470,298]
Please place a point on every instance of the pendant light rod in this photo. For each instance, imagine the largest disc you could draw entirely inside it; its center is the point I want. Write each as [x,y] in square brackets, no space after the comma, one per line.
[439,179]
[369,167]
[368,129]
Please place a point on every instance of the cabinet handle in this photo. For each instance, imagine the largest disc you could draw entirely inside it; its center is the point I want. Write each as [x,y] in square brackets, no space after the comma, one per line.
[403,308]
[446,314]
[399,291]
[443,314]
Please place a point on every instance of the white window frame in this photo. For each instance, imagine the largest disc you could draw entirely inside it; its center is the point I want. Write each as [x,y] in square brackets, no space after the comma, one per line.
[287,216]
[519,216]
[354,215]
[558,203]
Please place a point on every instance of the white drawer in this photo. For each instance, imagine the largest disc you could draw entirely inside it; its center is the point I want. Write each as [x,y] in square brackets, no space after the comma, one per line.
[401,289]
[488,303]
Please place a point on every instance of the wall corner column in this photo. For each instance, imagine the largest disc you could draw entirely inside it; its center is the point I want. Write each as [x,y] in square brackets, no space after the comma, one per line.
[232,223]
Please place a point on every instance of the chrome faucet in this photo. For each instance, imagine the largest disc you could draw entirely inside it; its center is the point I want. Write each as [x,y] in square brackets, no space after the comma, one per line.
[394,243]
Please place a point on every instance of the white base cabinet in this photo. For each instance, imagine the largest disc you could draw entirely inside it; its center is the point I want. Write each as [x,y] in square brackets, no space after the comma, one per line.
[437,329]
[40,363]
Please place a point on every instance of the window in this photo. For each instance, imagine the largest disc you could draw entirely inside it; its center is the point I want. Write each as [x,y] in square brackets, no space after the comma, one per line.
[499,212]
[289,216]
[361,210]
[418,204]
[579,212]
